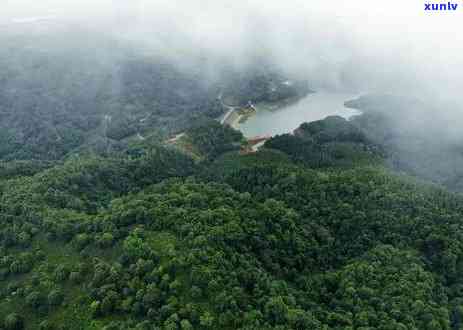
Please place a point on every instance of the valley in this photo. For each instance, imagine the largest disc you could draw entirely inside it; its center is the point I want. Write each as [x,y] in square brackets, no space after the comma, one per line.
[148,182]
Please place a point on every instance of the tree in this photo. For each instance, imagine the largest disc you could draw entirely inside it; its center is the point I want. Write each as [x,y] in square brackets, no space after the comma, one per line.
[24,239]
[75,277]
[186,325]
[106,240]
[55,297]
[95,308]
[206,320]
[301,320]
[276,310]
[109,303]
[45,325]
[34,299]
[13,322]
[61,273]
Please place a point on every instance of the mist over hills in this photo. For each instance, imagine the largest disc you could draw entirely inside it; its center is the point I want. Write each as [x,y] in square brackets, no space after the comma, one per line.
[127,201]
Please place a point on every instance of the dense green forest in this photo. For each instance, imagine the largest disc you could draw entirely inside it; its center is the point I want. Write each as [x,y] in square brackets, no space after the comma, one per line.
[333,141]
[105,225]
[147,238]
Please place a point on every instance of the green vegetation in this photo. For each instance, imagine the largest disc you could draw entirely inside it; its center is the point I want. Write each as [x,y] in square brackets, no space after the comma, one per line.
[213,139]
[56,101]
[103,225]
[147,239]
[208,140]
[332,142]
[262,83]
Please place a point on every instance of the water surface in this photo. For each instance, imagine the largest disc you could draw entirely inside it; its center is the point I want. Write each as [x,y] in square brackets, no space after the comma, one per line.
[313,107]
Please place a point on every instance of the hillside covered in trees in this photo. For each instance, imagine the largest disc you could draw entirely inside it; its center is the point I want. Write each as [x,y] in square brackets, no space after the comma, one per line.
[125,204]
[63,96]
[311,232]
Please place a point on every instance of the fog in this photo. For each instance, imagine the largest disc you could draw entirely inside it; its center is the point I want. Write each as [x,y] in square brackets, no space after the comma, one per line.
[86,59]
[358,46]
[386,46]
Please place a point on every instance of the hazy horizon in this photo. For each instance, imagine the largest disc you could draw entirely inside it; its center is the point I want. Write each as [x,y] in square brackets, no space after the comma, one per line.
[358,45]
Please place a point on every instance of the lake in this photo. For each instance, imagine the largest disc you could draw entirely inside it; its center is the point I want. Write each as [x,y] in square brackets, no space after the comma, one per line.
[285,120]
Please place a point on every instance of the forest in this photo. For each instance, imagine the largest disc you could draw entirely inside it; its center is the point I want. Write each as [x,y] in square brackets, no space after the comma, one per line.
[314,231]
[104,225]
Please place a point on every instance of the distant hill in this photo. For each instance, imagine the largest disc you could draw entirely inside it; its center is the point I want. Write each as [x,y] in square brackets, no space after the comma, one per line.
[420,138]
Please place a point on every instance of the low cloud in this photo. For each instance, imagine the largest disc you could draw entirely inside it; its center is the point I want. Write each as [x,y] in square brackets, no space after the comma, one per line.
[361,45]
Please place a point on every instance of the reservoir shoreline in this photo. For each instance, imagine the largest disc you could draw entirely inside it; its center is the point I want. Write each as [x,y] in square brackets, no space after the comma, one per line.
[286,119]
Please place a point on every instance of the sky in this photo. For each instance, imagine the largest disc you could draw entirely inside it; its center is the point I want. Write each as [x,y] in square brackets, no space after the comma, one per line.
[392,44]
